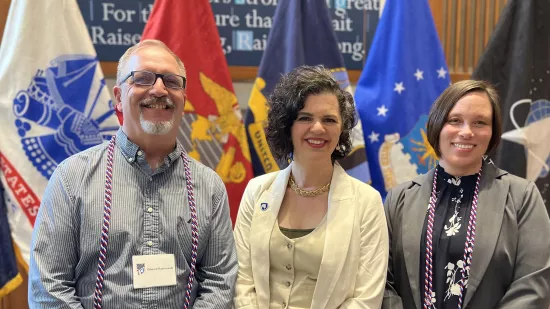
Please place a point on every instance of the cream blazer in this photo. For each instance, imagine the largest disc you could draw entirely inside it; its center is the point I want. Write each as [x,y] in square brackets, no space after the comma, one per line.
[354,263]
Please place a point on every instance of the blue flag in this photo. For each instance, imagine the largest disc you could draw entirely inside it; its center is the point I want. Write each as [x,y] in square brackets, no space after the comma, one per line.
[9,275]
[405,72]
[302,34]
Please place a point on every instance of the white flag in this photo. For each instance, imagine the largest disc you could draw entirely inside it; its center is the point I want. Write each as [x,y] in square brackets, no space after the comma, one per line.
[54,103]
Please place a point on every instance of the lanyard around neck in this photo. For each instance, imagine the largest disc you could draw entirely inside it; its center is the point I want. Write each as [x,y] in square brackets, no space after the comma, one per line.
[468,246]
[98,295]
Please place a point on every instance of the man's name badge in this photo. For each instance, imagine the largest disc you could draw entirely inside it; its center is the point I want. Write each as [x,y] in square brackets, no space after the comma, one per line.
[153,270]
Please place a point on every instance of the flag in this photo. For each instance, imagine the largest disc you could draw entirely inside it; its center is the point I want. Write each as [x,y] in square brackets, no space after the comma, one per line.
[299,29]
[212,128]
[517,61]
[405,72]
[54,103]
[10,278]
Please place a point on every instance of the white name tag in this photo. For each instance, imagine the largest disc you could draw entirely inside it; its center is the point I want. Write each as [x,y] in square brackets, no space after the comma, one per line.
[154,270]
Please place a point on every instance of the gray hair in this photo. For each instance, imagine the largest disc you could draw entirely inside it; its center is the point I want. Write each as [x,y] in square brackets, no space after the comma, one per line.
[130,51]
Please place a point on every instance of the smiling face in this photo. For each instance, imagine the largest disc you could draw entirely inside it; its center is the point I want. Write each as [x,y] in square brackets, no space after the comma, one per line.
[317,128]
[466,134]
[152,110]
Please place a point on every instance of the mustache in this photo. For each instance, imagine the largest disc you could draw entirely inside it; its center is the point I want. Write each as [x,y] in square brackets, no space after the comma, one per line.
[157,100]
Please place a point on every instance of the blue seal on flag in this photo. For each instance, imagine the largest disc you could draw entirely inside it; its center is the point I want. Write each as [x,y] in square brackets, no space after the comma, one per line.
[403,158]
[61,113]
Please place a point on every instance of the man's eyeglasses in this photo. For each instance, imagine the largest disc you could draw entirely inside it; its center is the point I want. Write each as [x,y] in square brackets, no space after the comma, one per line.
[146,78]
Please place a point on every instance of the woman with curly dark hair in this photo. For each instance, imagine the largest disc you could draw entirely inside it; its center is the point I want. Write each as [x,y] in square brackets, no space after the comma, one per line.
[310,236]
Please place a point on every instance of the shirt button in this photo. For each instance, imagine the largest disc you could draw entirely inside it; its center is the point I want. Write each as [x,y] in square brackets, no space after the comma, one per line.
[289,246]
[288,267]
[150,209]
[130,159]
[139,153]
[149,243]
[284,305]
[287,284]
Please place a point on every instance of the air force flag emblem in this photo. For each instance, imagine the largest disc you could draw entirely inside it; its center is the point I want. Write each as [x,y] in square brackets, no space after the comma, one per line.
[58,114]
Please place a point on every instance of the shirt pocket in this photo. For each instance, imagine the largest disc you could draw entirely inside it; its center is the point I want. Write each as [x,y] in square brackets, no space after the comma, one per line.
[183,257]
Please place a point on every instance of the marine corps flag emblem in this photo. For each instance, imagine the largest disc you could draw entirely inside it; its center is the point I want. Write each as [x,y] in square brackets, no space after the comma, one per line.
[212,129]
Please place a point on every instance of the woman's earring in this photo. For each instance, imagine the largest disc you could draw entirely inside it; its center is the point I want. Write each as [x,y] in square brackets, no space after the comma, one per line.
[338,147]
[290,158]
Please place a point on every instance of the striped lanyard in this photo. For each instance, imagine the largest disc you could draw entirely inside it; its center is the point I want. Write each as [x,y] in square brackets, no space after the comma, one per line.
[468,246]
[98,295]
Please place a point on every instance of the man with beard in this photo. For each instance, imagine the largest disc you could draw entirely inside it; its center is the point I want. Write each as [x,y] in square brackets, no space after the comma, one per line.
[135,222]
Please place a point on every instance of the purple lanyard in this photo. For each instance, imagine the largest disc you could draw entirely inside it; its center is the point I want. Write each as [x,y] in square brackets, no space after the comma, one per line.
[468,246]
[98,295]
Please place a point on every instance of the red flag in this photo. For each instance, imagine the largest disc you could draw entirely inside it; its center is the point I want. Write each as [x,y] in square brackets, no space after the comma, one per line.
[212,129]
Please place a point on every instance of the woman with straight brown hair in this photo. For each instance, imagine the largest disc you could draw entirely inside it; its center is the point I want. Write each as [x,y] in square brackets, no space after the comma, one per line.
[467,234]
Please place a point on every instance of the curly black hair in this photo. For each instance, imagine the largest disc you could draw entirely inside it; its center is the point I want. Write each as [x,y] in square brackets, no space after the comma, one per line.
[288,98]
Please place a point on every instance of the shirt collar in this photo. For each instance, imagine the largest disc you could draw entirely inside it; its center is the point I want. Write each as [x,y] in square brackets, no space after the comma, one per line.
[131,150]
[461,181]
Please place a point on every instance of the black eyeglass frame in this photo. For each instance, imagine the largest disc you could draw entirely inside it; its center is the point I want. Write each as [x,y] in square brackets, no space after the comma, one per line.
[157,75]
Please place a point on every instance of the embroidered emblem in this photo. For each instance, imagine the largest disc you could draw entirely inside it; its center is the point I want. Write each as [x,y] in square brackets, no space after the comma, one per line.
[264,206]
[58,115]
[404,157]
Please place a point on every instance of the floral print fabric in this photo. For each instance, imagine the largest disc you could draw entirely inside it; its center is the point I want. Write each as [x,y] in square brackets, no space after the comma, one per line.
[452,213]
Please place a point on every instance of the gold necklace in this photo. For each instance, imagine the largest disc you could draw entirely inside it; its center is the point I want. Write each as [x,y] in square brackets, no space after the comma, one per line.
[307,193]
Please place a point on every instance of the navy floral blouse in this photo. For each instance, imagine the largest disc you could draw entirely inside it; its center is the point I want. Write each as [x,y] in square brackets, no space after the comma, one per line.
[452,213]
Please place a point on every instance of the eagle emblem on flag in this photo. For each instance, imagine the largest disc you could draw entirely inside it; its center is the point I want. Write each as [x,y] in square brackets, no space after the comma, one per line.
[55,119]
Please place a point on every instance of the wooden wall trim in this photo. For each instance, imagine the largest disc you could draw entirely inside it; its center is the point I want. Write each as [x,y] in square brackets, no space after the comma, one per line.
[238,73]
[4,9]
[249,73]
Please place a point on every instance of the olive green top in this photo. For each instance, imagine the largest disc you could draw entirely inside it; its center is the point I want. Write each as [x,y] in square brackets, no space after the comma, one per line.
[294,233]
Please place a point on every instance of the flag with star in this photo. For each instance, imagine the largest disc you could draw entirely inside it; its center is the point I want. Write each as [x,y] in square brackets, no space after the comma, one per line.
[517,62]
[405,72]
[299,28]
[212,129]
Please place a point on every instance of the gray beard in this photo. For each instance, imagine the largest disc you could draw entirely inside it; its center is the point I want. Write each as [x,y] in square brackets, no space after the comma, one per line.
[155,128]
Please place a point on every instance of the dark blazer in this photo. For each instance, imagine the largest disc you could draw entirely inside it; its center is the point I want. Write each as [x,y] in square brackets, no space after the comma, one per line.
[511,257]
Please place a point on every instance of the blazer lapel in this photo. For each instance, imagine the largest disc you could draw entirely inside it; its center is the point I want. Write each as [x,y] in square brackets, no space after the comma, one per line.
[490,211]
[415,205]
[340,221]
[265,214]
